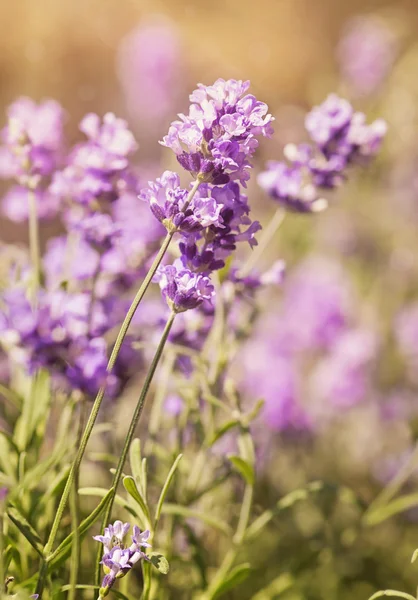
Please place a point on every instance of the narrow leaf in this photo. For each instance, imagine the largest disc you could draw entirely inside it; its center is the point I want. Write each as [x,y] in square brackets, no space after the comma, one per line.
[223,430]
[132,489]
[101,493]
[236,576]
[243,467]
[165,487]
[25,529]
[159,562]
[64,549]
[135,460]
[189,513]
[66,588]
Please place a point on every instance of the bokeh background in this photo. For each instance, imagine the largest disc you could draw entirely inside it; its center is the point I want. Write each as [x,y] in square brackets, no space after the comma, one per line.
[140,59]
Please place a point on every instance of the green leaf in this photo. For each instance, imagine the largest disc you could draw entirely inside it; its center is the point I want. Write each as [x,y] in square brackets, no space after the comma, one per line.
[35,408]
[64,549]
[392,593]
[101,493]
[224,429]
[165,488]
[159,562]
[135,460]
[25,529]
[280,584]
[189,513]
[391,508]
[8,456]
[237,575]
[132,489]
[414,556]
[66,588]
[243,467]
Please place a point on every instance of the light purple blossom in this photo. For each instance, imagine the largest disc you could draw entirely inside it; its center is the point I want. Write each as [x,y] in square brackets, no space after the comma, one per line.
[118,558]
[183,289]
[150,70]
[366,53]
[33,139]
[218,137]
[15,204]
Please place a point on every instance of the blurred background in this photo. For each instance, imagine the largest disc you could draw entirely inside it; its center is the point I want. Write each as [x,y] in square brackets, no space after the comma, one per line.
[352,271]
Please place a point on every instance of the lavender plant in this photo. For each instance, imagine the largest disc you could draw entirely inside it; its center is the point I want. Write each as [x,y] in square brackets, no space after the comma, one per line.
[64,312]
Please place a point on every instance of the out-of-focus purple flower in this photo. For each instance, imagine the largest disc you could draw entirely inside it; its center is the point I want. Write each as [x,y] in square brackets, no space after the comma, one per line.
[316,305]
[15,204]
[173,405]
[69,258]
[218,137]
[150,70]
[98,167]
[183,289]
[338,130]
[341,137]
[288,185]
[273,377]
[98,229]
[62,334]
[366,53]
[33,139]
[343,378]
[406,333]
[3,494]
[118,559]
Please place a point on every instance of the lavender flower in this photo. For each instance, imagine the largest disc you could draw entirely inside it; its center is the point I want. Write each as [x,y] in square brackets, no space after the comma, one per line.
[119,559]
[99,166]
[340,138]
[63,334]
[338,130]
[219,135]
[288,186]
[150,70]
[33,139]
[365,53]
[183,289]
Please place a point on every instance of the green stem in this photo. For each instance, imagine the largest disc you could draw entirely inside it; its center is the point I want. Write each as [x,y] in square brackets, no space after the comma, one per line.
[134,422]
[75,514]
[96,407]
[34,242]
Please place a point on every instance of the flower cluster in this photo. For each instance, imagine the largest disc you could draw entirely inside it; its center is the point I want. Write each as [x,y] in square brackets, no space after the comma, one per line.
[214,142]
[64,334]
[119,559]
[218,137]
[340,138]
[33,147]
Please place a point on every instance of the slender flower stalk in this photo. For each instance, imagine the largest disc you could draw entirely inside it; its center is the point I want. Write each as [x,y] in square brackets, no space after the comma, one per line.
[100,395]
[34,242]
[132,427]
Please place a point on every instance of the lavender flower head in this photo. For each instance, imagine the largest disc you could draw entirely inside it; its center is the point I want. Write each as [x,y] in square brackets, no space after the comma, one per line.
[150,70]
[169,204]
[340,137]
[366,53]
[218,137]
[33,139]
[183,289]
[118,558]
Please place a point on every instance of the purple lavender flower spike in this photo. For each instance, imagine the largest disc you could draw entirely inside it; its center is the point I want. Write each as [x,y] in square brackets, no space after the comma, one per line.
[218,137]
[183,289]
[288,186]
[33,139]
[150,70]
[366,53]
[118,559]
[168,203]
